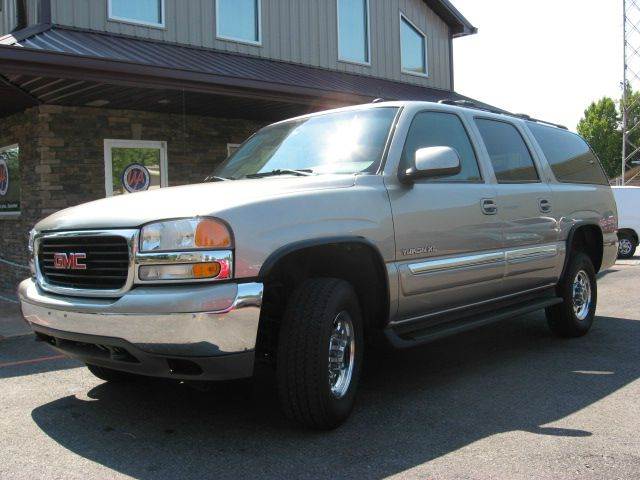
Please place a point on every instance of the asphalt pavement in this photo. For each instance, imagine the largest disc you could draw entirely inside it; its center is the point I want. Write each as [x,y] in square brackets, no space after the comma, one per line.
[507,401]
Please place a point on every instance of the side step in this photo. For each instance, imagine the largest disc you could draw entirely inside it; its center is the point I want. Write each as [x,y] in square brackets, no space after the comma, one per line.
[418,333]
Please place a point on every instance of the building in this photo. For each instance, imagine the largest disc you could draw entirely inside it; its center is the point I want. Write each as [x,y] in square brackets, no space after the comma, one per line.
[91,89]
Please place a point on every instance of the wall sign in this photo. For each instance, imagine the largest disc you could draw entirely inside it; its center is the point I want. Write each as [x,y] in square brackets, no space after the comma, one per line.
[136,178]
[10,180]
[4,177]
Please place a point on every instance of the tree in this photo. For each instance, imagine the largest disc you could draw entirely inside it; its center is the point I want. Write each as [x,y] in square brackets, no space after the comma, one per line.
[601,128]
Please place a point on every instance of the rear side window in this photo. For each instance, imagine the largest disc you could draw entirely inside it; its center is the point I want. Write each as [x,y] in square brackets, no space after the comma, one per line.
[510,156]
[570,157]
[438,129]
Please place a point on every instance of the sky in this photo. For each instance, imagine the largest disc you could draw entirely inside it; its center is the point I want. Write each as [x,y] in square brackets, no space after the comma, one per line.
[547,58]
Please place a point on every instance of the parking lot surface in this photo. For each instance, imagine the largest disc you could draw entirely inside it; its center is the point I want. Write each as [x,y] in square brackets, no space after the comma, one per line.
[507,401]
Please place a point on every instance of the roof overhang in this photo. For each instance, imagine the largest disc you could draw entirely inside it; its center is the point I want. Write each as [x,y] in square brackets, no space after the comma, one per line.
[458,24]
[57,65]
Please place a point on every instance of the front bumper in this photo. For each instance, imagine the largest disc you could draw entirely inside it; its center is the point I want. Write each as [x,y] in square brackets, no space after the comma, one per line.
[160,325]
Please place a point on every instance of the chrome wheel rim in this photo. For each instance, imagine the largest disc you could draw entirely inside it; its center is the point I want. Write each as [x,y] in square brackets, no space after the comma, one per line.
[342,349]
[581,292]
[625,246]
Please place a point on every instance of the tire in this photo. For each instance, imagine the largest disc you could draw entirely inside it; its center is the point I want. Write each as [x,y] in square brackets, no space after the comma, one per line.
[579,291]
[308,393]
[626,245]
[112,376]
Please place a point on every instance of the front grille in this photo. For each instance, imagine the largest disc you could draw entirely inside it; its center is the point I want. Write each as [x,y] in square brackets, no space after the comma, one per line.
[106,259]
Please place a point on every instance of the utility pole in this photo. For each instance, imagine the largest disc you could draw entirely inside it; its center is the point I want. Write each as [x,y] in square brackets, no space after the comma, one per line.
[631,78]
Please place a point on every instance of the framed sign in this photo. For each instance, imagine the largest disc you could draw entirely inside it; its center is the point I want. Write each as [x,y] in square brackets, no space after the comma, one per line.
[10,181]
[132,166]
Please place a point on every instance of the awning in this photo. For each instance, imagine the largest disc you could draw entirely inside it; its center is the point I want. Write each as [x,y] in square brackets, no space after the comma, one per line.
[65,66]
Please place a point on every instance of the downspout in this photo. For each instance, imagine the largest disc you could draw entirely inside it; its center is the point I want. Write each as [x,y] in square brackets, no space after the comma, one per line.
[21,15]
[451,81]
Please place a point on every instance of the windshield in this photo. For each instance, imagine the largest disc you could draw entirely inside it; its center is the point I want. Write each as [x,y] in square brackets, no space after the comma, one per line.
[342,142]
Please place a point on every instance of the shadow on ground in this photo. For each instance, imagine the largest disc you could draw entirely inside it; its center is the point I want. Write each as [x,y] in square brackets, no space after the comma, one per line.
[414,406]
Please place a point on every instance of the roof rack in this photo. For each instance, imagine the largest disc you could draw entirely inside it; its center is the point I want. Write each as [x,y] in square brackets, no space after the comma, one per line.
[523,116]
[529,118]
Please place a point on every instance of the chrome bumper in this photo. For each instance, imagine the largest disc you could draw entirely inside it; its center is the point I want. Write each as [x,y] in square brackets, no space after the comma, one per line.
[189,321]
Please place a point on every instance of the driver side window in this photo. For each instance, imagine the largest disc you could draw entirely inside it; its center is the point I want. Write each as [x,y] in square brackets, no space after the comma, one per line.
[440,129]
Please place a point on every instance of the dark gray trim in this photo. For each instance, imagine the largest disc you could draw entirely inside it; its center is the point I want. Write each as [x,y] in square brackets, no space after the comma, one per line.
[45,12]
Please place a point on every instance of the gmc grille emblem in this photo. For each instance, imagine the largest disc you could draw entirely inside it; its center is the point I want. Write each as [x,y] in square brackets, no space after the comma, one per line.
[69,261]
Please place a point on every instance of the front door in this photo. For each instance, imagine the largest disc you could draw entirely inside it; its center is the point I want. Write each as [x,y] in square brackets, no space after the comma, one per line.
[448,250]
[525,208]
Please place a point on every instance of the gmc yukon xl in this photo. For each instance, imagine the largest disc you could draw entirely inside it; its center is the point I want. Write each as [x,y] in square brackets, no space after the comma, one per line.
[400,221]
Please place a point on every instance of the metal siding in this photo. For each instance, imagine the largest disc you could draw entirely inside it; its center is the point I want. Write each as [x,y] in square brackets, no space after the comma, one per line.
[299,31]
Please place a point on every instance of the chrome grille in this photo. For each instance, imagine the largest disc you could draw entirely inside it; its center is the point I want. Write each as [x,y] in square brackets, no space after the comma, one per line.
[106,258]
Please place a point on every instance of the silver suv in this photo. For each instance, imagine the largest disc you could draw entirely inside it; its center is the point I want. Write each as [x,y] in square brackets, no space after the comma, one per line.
[403,221]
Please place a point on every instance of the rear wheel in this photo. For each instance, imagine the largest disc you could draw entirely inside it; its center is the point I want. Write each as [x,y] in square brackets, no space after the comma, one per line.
[626,245]
[320,353]
[113,376]
[578,289]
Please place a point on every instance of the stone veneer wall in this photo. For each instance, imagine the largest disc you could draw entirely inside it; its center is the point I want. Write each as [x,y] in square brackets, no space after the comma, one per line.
[62,160]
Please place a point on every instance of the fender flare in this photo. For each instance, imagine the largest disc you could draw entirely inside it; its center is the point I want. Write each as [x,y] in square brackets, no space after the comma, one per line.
[285,250]
[569,241]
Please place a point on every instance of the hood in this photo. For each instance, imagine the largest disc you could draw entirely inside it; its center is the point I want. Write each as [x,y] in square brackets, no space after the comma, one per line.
[133,210]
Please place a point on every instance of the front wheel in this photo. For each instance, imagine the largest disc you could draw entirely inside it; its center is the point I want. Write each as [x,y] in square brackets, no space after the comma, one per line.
[320,351]
[626,245]
[579,291]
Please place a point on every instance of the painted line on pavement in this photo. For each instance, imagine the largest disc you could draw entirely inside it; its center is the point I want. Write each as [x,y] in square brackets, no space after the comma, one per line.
[7,299]
[33,360]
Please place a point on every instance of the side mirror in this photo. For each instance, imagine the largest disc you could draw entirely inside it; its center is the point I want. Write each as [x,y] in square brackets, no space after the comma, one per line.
[433,162]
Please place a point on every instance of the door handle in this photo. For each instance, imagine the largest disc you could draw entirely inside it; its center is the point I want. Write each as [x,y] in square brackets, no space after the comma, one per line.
[544,205]
[489,206]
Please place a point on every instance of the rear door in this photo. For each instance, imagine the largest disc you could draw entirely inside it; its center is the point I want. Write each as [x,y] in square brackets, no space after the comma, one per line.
[525,207]
[448,251]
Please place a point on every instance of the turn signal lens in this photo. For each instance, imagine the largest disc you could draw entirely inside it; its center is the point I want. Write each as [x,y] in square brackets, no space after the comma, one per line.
[212,234]
[206,270]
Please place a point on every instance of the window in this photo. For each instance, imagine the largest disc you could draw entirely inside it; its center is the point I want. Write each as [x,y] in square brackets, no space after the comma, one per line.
[510,157]
[239,20]
[10,180]
[340,142]
[134,166]
[437,129]
[143,12]
[570,157]
[353,31]
[413,46]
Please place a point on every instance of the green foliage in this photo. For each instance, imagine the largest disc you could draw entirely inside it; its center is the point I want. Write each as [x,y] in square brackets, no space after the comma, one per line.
[601,128]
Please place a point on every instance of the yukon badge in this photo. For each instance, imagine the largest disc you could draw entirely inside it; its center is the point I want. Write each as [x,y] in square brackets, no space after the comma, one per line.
[419,250]
[69,261]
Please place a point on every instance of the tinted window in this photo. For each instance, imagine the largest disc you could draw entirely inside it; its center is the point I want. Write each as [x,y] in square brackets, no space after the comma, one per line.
[239,20]
[140,11]
[413,46]
[353,30]
[570,157]
[437,129]
[510,157]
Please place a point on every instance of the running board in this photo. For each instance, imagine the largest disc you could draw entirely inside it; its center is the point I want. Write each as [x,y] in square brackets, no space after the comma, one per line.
[409,336]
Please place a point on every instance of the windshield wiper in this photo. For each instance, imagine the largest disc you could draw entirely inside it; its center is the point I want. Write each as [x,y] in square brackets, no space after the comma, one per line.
[213,178]
[283,171]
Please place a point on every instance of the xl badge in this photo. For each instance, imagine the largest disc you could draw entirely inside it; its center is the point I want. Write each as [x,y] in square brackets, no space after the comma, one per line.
[69,261]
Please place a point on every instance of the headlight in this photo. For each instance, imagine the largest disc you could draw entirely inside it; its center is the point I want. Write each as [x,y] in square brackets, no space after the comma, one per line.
[185,234]
[196,249]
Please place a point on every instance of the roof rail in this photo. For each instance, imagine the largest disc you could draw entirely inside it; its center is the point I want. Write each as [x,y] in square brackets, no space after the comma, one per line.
[378,100]
[468,104]
[529,118]
[523,116]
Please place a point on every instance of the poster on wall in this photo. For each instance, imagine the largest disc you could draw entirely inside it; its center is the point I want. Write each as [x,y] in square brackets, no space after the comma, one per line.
[10,180]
